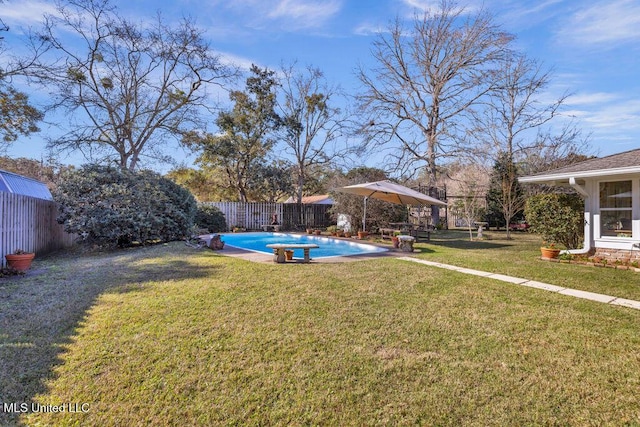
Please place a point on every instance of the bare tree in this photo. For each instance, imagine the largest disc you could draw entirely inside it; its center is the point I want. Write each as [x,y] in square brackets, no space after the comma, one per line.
[426,78]
[127,87]
[312,126]
[512,112]
[512,125]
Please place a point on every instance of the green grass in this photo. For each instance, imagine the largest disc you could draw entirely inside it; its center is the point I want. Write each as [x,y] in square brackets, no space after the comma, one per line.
[170,335]
[520,257]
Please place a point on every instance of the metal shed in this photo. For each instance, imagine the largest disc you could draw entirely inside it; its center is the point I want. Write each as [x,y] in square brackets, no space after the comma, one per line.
[17,184]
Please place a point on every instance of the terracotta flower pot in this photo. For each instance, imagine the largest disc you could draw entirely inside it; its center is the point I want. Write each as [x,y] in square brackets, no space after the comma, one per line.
[289,255]
[362,234]
[549,253]
[20,262]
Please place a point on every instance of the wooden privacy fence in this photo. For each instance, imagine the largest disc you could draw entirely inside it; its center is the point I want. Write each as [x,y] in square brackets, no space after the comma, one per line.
[29,224]
[253,215]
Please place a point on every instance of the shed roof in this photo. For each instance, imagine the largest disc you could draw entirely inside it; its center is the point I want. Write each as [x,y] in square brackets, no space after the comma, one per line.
[615,164]
[13,183]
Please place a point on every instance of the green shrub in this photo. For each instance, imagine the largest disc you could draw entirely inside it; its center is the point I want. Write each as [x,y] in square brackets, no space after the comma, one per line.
[558,218]
[107,206]
[210,218]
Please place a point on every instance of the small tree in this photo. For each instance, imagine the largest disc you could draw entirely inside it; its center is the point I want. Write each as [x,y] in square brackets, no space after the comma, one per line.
[470,206]
[558,218]
[467,186]
[505,197]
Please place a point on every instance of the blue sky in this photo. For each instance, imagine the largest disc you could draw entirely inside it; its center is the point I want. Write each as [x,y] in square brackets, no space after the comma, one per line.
[592,46]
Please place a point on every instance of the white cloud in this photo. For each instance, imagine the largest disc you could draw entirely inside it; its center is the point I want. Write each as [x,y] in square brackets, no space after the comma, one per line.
[311,13]
[424,5]
[289,15]
[434,6]
[368,29]
[604,23]
[591,98]
[236,60]
[518,15]
[620,116]
[27,12]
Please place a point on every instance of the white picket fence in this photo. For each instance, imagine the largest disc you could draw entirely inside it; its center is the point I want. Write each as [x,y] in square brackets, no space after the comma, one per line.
[29,224]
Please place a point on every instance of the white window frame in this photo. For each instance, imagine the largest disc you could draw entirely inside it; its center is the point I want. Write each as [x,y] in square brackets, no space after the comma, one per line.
[633,209]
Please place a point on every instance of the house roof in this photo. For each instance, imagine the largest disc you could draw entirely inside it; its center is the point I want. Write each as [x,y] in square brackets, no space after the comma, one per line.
[323,199]
[615,164]
[13,183]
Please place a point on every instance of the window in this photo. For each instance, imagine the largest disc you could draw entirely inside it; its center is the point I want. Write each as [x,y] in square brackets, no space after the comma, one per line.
[615,208]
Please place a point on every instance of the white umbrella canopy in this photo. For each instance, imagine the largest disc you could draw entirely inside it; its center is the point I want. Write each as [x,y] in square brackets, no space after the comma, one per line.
[389,192]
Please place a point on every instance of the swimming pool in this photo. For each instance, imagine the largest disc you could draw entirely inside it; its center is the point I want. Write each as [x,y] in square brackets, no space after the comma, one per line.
[257,242]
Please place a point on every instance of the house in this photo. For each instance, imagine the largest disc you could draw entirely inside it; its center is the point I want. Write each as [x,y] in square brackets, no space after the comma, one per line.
[610,187]
[17,184]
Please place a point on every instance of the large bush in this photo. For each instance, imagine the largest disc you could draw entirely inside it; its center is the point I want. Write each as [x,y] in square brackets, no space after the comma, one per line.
[109,206]
[558,218]
[210,218]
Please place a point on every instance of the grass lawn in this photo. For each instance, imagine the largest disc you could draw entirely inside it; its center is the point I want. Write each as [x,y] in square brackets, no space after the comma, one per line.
[170,335]
[519,257]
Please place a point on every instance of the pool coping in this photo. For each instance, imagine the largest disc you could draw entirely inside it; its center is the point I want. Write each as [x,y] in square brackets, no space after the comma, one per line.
[248,255]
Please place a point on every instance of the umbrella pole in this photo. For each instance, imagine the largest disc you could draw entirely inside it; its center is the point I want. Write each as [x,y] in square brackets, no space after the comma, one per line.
[364,216]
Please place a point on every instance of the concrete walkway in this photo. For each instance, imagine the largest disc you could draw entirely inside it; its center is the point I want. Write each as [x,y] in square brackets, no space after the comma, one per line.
[607,299]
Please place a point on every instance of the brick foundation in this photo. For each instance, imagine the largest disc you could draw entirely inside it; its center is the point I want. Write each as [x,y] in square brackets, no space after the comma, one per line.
[622,255]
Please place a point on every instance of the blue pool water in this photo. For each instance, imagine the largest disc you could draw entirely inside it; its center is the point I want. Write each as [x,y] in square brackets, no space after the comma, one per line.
[258,242]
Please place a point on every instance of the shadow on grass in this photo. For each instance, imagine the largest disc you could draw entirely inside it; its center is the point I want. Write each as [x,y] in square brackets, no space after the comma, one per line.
[40,312]
[458,239]
[462,244]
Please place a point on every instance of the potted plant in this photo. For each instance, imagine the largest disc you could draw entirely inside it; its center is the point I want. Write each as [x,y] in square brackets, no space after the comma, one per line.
[333,230]
[348,233]
[20,260]
[549,251]
[395,240]
[289,254]
[362,234]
